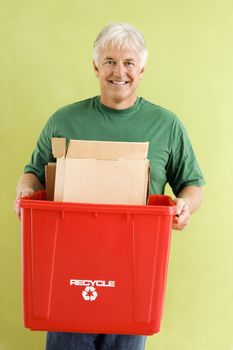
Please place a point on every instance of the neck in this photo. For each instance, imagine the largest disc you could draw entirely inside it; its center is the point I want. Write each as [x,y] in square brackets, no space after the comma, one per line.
[118,104]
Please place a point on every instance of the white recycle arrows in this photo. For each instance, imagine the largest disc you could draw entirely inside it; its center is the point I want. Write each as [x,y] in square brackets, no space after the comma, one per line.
[89,293]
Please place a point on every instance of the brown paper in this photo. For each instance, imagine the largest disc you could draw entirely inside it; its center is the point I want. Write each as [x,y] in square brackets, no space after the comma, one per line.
[50,171]
[101,172]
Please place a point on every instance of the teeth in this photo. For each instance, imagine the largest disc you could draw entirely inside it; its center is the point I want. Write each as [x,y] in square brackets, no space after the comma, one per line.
[119,82]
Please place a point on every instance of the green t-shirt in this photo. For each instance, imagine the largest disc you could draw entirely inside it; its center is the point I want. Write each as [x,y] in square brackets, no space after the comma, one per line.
[171,156]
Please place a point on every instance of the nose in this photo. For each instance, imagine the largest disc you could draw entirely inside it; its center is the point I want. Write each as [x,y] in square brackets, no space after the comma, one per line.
[119,69]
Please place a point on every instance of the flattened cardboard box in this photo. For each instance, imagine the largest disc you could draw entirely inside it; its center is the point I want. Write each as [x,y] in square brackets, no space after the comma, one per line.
[101,171]
[50,171]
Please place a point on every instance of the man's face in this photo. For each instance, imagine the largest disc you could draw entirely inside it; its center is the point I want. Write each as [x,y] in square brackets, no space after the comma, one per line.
[119,72]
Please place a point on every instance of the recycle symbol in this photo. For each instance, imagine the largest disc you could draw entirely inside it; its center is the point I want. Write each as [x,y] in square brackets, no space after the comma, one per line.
[89,293]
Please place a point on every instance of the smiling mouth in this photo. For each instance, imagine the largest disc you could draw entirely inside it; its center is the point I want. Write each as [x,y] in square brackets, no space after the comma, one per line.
[118,82]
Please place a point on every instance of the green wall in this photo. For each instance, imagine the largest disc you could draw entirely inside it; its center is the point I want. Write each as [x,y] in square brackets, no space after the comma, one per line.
[46,62]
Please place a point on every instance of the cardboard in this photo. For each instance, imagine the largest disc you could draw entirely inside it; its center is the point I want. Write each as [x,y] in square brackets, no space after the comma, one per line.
[101,171]
[50,171]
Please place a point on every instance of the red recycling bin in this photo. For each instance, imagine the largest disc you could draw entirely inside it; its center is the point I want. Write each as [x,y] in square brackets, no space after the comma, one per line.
[95,268]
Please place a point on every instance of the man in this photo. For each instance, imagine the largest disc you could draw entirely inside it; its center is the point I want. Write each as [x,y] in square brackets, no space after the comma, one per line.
[118,114]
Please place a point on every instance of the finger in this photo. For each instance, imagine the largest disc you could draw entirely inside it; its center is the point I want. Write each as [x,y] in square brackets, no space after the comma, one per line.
[180,203]
[182,220]
[23,193]
[179,227]
[18,213]
[17,209]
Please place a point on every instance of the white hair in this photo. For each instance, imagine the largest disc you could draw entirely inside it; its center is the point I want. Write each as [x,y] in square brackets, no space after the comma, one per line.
[121,35]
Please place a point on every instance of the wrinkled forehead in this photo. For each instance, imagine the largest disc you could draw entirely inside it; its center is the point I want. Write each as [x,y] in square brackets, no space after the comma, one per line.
[119,50]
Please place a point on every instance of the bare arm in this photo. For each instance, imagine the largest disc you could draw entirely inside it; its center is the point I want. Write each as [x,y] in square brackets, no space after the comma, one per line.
[28,183]
[187,202]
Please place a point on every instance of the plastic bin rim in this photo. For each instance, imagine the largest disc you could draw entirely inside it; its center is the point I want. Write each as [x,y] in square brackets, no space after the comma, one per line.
[28,203]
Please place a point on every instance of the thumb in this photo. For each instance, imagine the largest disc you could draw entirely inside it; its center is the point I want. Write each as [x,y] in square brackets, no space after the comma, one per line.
[180,203]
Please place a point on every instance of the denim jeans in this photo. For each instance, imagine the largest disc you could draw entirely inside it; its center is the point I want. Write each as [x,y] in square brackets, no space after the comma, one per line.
[83,341]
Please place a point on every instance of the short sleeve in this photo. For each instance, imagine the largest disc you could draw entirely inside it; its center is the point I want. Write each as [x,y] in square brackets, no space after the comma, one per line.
[42,154]
[183,168]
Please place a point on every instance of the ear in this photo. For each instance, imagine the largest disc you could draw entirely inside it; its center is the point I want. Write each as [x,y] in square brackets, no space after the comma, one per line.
[141,74]
[96,70]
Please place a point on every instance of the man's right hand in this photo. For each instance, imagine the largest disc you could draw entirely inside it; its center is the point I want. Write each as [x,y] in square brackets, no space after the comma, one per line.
[27,185]
[23,193]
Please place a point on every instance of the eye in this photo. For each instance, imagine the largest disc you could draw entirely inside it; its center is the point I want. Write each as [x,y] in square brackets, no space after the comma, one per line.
[129,64]
[109,62]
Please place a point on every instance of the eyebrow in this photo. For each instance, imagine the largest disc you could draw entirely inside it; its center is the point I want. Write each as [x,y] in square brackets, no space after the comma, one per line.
[113,59]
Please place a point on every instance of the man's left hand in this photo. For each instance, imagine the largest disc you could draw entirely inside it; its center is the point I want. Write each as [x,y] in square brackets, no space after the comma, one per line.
[182,217]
